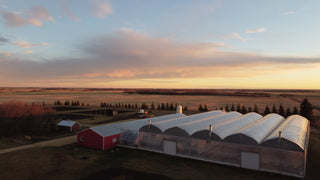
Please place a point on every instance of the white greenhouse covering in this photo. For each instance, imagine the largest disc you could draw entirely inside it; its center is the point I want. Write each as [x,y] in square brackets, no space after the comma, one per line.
[294,129]
[203,124]
[258,130]
[117,128]
[222,130]
[136,125]
[164,125]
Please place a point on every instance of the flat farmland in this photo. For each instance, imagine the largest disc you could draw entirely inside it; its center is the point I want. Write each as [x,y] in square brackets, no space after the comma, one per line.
[93,98]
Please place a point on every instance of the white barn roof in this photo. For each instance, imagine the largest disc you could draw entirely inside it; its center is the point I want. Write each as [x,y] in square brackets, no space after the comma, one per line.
[225,129]
[66,123]
[107,130]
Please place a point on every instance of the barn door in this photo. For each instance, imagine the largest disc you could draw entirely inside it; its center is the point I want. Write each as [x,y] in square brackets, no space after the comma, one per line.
[250,160]
[169,147]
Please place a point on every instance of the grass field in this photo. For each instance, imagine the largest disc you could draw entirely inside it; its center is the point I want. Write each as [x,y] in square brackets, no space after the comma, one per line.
[76,162]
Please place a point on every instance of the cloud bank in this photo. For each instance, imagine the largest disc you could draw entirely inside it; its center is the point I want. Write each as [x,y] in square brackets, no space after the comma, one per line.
[130,55]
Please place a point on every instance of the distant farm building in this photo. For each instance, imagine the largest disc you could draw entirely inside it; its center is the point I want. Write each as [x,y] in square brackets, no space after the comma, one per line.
[270,143]
[69,125]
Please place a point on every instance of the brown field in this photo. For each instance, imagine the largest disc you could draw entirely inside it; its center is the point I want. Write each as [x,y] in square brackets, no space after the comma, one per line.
[93,97]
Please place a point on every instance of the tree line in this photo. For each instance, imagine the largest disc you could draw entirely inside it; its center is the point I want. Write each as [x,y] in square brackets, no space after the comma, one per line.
[68,103]
[306,110]
[19,118]
[161,106]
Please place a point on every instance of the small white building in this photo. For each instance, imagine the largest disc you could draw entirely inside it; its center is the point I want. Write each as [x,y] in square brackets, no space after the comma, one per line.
[69,125]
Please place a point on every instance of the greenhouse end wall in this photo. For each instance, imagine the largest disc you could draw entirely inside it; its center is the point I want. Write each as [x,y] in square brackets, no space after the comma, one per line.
[269,159]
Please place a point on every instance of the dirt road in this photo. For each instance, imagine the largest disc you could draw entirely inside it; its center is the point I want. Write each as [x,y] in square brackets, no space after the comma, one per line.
[54,142]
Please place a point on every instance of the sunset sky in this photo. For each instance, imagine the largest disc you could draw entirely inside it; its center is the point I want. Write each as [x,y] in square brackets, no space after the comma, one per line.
[272,44]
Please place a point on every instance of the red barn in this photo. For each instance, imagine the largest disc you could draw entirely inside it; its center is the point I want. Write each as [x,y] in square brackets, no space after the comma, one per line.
[69,125]
[99,137]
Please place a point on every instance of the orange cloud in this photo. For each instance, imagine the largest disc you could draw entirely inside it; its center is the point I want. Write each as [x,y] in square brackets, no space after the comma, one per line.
[26,44]
[258,30]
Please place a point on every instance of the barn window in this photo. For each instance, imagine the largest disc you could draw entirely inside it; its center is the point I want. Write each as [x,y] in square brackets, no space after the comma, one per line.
[114,140]
[81,139]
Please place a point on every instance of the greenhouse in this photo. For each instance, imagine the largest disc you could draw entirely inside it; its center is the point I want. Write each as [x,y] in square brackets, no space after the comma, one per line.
[270,143]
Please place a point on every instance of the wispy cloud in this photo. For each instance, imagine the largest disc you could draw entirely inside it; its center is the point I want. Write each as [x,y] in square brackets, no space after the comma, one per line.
[28,52]
[3,40]
[27,45]
[258,30]
[34,16]
[5,54]
[101,9]
[234,35]
[66,9]
[289,13]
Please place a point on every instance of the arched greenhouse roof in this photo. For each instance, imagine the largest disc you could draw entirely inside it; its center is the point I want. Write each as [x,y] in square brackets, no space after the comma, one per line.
[166,124]
[294,134]
[223,130]
[136,125]
[194,126]
[256,132]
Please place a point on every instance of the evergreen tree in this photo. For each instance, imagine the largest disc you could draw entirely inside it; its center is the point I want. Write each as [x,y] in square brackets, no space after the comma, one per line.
[274,109]
[295,110]
[227,108]
[185,108]
[200,107]
[288,112]
[281,110]
[205,108]
[249,109]
[171,107]
[306,109]
[152,106]
[267,110]
[162,106]
[238,108]
[244,110]
[159,107]
[255,109]
[232,107]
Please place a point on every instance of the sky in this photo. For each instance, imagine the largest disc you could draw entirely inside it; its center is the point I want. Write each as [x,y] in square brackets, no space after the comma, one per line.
[217,44]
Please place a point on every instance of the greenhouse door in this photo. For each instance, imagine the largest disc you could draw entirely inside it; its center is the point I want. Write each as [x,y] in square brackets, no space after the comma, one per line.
[250,160]
[169,147]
